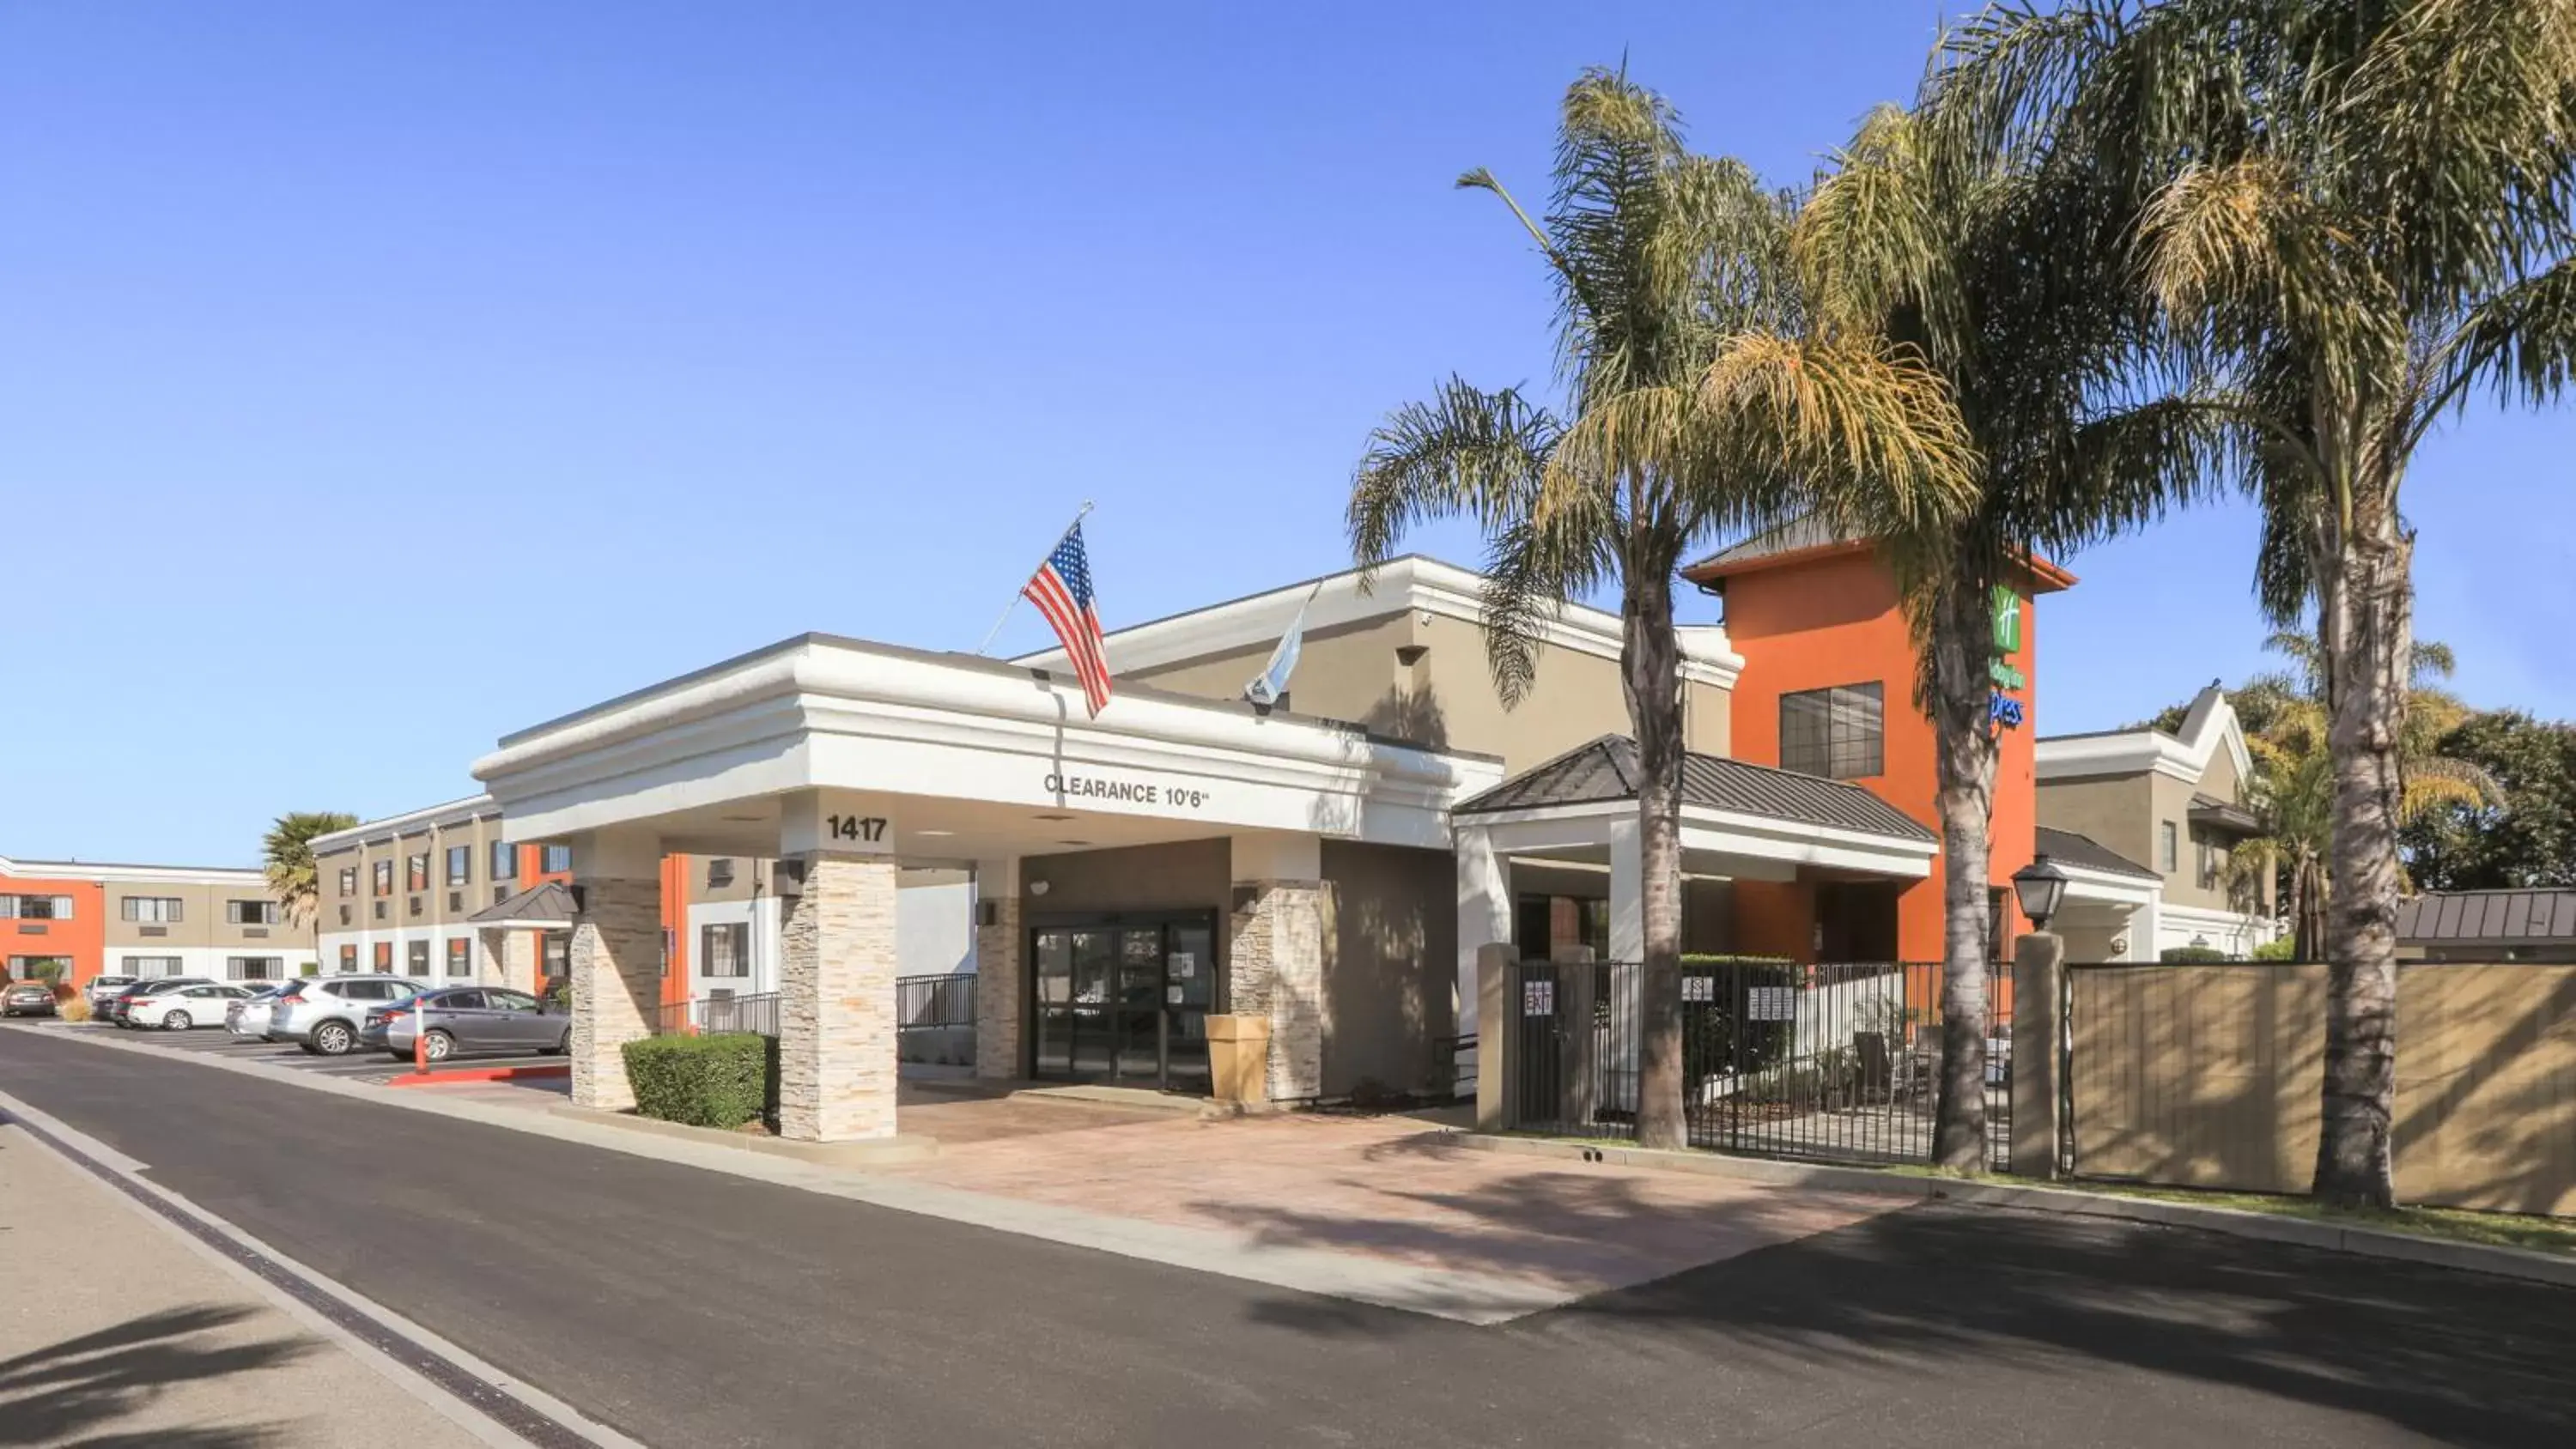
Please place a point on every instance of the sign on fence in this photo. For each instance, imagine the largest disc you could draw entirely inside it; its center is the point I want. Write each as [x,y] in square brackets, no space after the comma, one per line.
[1771,1003]
[1538,998]
[1699,988]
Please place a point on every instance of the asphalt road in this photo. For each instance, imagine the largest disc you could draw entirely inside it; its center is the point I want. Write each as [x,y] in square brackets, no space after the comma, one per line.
[692,1308]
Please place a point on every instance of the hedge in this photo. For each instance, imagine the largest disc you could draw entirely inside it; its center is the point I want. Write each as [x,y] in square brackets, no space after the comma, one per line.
[704,1081]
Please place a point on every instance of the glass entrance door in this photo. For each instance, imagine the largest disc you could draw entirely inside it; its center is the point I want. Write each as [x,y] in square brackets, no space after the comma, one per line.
[1124,1000]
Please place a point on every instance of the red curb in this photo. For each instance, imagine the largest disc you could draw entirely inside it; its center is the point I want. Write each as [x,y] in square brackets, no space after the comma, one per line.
[483,1074]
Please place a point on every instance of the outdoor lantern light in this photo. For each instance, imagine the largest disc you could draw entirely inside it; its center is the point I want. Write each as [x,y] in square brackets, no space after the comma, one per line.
[2041,887]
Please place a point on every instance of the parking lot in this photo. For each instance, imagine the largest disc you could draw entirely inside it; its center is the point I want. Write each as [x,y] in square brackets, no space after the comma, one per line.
[365,1064]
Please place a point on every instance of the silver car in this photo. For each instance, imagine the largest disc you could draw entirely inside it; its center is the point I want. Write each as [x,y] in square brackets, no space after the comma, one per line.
[468,1019]
[322,1013]
[249,1016]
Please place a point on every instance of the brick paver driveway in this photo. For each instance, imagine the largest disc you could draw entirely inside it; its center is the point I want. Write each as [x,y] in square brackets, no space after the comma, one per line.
[1388,1187]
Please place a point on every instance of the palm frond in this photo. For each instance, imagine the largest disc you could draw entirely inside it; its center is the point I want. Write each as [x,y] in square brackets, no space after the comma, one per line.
[1464,453]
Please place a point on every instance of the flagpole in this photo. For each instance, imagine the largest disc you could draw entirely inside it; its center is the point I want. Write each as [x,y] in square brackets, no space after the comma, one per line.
[1015,598]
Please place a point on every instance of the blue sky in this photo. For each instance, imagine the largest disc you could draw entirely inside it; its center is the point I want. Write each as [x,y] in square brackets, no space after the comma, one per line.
[375,380]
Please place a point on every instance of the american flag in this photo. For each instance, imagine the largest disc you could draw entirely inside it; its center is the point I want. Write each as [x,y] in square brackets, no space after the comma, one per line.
[1062,591]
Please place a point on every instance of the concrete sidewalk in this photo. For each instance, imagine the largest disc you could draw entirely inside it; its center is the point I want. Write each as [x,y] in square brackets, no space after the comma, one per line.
[115,1329]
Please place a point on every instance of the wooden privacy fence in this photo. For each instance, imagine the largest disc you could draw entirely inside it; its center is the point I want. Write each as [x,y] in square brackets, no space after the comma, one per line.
[2208,1076]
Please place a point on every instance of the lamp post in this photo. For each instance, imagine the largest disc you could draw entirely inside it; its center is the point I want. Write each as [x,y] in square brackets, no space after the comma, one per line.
[2040,1116]
[2041,888]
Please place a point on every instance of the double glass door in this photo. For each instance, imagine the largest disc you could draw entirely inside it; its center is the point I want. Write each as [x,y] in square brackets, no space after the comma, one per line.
[1125,999]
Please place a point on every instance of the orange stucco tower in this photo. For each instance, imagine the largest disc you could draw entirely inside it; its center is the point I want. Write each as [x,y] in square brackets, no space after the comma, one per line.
[1830,660]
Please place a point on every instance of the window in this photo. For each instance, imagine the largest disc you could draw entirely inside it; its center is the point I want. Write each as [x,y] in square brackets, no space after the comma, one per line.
[251,913]
[384,955]
[505,861]
[154,910]
[36,908]
[556,951]
[720,872]
[460,956]
[254,968]
[348,880]
[500,1000]
[558,859]
[725,950]
[416,872]
[385,877]
[460,864]
[348,960]
[416,959]
[368,991]
[2168,853]
[1839,733]
[140,966]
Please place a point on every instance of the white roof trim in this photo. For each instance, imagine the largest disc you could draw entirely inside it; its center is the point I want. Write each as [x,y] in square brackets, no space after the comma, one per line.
[454,812]
[2210,724]
[1718,832]
[2084,883]
[223,875]
[1410,583]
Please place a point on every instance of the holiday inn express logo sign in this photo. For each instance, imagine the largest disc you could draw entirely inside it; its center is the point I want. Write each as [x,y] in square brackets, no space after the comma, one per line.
[2003,710]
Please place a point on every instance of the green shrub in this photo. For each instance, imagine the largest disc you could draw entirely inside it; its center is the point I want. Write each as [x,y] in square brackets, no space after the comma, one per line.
[2284,949]
[704,1081]
[2189,955]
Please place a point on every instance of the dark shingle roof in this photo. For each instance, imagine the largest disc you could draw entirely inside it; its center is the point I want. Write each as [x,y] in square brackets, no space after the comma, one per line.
[2068,848]
[547,903]
[2446,917]
[1606,769]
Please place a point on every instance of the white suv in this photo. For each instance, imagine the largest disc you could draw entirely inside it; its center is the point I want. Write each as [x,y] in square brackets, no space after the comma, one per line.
[321,1013]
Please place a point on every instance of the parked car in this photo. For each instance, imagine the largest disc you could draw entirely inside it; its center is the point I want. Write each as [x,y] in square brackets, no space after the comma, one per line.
[468,1019]
[185,1009]
[118,1007]
[27,998]
[248,1017]
[100,988]
[322,1013]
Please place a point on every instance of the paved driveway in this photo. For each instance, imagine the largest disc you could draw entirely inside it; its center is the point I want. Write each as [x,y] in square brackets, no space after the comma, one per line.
[1385,1187]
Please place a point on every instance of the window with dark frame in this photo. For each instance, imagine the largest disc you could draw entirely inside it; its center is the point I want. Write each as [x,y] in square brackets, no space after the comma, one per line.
[416,958]
[725,950]
[254,968]
[152,910]
[2168,848]
[251,913]
[460,864]
[416,872]
[348,960]
[558,859]
[36,908]
[384,955]
[460,956]
[505,861]
[348,880]
[384,876]
[1838,733]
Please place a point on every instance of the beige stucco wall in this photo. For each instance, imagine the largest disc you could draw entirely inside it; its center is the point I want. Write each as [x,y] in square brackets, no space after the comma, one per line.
[2111,810]
[1390,964]
[2207,1076]
[1429,683]
[203,920]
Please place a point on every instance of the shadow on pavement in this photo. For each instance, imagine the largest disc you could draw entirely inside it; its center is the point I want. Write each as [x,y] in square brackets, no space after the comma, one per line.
[81,1386]
[2460,1358]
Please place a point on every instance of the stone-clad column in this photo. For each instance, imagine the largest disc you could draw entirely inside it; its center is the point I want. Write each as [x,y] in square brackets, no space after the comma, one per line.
[616,983]
[836,1044]
[1000,985]
[1275,956]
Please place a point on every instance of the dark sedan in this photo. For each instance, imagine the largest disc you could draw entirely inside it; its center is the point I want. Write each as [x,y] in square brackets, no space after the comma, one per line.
[27,998]
[467,1019]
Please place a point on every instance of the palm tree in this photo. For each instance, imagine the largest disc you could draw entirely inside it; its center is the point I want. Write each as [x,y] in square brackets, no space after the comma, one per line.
[2288,735]
[286,856]
[1703,393]
[1928,227]
[2356,212]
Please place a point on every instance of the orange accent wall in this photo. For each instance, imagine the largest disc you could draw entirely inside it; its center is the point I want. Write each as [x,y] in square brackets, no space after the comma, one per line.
[675,930]
[1834,618]
[83,938]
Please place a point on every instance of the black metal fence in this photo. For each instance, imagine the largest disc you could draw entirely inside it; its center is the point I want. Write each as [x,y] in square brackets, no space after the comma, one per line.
[710,1015]
[1831,1063]
[934,1003]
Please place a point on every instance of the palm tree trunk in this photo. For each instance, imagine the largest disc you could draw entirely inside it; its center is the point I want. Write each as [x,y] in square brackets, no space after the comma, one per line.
[2366,622]
[2308,908]
[1965,751]
[1650,666]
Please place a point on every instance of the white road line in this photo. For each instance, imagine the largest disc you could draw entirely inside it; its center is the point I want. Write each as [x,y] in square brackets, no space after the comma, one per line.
[473,1420]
